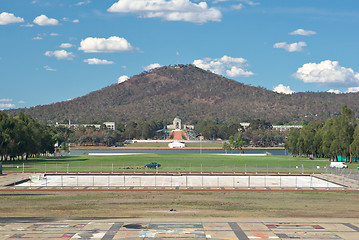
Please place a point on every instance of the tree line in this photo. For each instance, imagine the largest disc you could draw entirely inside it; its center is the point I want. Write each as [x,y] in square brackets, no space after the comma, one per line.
[259,133]
[234,144]
[22,137]
[90,136]
[335,137]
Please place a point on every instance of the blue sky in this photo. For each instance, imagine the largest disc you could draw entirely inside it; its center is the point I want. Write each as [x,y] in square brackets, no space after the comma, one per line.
[55,50]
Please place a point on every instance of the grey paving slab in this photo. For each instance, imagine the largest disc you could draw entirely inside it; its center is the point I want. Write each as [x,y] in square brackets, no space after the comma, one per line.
[238,231]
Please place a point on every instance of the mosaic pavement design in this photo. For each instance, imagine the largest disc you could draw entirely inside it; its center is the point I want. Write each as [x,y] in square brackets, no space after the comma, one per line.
[29,229]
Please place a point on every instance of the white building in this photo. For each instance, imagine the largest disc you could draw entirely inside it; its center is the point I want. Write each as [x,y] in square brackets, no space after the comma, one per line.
[176,144]
[177,124]
[245,124]
[108,125]
[283,128]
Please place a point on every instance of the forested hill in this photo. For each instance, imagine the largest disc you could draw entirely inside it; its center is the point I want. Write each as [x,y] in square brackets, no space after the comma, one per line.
[193,94]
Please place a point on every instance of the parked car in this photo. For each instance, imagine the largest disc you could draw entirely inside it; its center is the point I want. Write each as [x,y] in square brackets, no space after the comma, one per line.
[338,165]
[153,165]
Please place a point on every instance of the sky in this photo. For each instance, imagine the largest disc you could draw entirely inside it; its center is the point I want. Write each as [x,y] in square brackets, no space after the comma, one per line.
[56,50]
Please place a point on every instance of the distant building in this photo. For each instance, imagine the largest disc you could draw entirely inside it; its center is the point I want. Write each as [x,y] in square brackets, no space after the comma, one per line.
[245,124]
[283,128]
[108,125]
[177,124]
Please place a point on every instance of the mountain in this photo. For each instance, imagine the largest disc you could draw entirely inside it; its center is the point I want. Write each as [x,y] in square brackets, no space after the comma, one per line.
[193,94]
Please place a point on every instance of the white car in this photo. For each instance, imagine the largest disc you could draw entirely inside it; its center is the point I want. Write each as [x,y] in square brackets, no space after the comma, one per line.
[338,165]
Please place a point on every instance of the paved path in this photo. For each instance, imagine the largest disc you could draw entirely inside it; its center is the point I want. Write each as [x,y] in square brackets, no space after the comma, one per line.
[10,178]
[177,135]
[178,228]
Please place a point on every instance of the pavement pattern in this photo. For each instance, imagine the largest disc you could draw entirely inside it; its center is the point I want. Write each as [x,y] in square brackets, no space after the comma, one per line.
[178,228]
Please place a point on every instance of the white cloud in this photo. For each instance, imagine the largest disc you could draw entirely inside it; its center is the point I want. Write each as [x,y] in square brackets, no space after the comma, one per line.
[27,25]
[294,47]
[96,61]
[7,18]
[238,6]
[327,73]
[43,20]
[233,67]
[123,79]
[172,10]
[83,3]
[5,100]
[21,102]
[7,105]
[251,3]
[283,89]
[66,19]
[152,66]
[178,53]
[60,54]
[238,72]
[353,90]
[303,32]
[109,45]
[54,34]
[37,38]
[334,91]
[48,68]
[66,45]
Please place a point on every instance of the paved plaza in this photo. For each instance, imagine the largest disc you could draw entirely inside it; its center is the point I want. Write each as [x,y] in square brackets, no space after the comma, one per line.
[174,228]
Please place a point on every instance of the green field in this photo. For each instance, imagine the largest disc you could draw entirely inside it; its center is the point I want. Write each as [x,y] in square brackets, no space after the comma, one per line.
[170,163]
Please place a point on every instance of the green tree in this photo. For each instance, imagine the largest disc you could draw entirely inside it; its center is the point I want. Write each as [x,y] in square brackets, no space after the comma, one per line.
[346,122]
[226,147]
[354,146]
[306,141]
[329,148]
[239,143]
[231,142]
[291,145]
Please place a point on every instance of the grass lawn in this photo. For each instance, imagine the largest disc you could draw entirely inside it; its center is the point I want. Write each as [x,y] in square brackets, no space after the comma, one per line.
[170,163]
[64,204]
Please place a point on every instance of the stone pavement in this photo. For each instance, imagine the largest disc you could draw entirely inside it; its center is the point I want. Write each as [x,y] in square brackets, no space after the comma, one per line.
[351,183]
[178,228]
[11,178]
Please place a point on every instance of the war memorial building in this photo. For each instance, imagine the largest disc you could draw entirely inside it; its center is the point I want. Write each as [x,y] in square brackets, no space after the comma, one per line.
[177,124]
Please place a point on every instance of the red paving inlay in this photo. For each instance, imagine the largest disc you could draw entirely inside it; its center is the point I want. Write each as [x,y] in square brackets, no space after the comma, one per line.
[177,135]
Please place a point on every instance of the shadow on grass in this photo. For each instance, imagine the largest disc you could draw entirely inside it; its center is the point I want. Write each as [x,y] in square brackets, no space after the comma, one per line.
[51,160]
[24,194]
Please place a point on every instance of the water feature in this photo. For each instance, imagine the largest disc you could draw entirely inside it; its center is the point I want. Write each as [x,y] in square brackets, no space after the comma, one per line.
[169,151]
